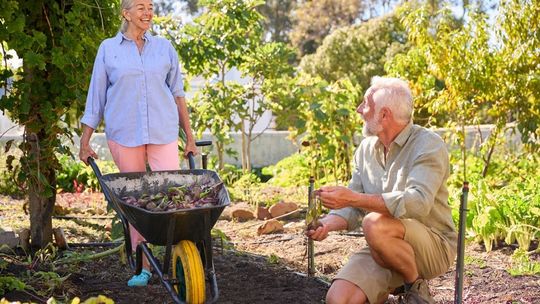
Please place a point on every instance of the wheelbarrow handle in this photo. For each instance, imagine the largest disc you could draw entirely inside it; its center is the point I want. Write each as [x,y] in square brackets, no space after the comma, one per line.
[94,166]
[191,160]
[202,143]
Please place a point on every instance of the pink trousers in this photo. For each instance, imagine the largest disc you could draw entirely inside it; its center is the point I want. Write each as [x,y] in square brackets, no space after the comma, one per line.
[133,159]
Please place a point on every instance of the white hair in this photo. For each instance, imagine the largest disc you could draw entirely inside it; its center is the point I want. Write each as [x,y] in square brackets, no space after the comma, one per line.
[124,5]
[395,94]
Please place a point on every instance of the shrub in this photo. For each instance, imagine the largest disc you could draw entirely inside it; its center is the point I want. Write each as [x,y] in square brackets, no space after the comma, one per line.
[290,171]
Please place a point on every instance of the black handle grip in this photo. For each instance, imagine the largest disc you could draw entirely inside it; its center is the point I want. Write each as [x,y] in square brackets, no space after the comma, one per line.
[201,143]
[191,160]
[94,166]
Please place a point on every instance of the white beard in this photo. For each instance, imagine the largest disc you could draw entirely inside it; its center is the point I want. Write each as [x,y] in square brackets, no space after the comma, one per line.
[371,128]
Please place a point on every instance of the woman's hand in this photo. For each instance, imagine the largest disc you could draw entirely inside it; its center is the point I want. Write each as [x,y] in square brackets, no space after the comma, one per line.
[190,147]
[86,151]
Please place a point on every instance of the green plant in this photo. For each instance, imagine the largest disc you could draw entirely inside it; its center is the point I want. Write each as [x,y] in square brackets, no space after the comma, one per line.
[503,205]
[273,259]
[522,264]
[469,260]
[75,176]
[290,171]
[325,123]
[224,240]
[49,279]
[10,283]
[246,188]
[230,174]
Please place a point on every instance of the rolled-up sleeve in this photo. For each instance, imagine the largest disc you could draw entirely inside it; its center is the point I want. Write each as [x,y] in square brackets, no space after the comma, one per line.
[353,216]
[97,92]
[174,77]
[423,181]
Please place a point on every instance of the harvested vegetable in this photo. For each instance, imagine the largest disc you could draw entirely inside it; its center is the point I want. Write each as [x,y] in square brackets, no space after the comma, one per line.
[201,193]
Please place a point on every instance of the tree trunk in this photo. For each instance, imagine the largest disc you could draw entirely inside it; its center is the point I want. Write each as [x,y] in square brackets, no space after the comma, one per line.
[244,152]
[248,151]
[220,151]
[40,205]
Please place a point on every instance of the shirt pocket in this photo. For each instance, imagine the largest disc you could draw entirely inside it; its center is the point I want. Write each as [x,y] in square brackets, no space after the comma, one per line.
[121,66]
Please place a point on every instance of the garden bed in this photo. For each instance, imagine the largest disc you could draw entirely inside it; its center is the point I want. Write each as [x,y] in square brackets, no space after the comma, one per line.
[252,268]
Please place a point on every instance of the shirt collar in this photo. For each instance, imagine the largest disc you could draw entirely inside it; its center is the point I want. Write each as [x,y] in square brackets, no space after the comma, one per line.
[121,37]
[404,135]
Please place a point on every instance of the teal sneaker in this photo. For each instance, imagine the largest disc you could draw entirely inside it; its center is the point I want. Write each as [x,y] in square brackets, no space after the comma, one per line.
[140,279]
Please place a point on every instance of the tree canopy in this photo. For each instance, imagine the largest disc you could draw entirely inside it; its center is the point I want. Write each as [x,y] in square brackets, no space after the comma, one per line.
[57,42]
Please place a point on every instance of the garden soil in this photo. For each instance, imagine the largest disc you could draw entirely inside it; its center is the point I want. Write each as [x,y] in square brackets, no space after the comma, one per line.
[258,269]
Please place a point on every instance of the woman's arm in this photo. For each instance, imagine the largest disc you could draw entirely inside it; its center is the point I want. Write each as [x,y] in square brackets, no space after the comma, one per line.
[85,150]
[185,125]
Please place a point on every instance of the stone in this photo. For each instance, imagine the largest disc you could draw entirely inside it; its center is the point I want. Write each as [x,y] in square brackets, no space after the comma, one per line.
[227,212]
[262,213]
[8,239]
[271,226]
[242,215]
[282,208]
[60,238]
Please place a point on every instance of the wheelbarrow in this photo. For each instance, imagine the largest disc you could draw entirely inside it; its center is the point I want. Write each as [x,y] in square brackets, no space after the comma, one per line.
[186,234]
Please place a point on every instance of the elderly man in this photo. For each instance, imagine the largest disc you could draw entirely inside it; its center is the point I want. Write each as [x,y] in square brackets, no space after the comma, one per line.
[399,189]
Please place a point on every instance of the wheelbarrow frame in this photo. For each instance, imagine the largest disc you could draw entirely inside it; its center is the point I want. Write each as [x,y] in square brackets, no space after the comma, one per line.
[175,224]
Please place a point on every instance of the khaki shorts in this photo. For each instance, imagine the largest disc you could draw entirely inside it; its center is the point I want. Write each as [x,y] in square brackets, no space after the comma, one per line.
[434,256]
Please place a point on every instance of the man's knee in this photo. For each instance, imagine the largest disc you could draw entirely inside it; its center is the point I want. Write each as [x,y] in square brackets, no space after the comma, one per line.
[343,292]
[372,225]
[377,227]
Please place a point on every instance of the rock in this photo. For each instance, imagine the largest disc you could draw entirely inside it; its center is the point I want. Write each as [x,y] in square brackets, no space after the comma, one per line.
[60,238]
[24,239]
[271,226]
[8,238]
[282,208]
[227,212]
[262,213]
[242,215]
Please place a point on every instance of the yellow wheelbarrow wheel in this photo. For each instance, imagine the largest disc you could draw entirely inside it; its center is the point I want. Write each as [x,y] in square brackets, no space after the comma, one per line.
[188,270]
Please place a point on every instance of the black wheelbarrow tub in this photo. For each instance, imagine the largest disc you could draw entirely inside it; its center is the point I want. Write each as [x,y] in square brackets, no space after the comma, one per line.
[188,224]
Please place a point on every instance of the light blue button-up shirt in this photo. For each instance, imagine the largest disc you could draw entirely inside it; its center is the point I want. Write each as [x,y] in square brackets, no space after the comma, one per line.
[135,92]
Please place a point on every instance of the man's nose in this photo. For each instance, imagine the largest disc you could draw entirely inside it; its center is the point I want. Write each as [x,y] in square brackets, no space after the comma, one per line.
[360,108]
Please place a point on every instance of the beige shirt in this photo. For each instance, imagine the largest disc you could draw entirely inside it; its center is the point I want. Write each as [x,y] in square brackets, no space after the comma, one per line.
[411,180]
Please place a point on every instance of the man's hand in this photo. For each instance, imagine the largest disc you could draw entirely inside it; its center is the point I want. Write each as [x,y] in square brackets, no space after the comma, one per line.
[336,197]
[319,233]
[326,224]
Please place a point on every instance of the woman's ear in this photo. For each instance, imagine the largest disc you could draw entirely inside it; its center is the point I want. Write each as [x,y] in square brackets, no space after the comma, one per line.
[125,15]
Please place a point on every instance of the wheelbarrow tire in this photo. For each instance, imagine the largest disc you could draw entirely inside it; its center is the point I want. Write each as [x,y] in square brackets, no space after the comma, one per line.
[188,270]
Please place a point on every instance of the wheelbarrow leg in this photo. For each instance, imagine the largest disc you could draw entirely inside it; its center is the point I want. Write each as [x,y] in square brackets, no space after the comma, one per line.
[168,247]
[209,261]
[142,248]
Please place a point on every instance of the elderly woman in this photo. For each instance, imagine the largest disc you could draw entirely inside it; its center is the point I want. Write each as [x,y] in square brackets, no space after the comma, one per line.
[137,88]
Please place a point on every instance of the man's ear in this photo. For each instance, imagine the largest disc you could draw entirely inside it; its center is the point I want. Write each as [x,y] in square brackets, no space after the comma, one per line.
[385,113]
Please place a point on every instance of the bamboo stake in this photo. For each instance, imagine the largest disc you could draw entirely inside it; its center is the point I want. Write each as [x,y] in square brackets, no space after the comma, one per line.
[461,243]
[310,248]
